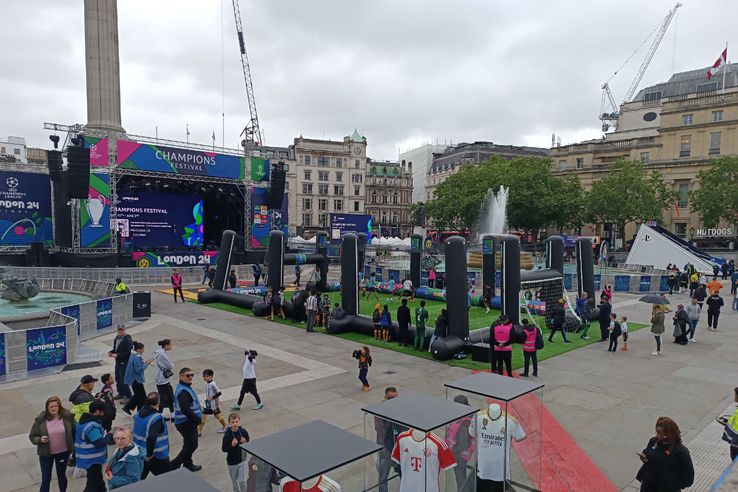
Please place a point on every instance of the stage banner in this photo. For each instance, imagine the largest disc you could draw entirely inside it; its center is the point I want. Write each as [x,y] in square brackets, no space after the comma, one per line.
[25,208]
[147,259]
[46,347]
[261,217]
[350,223]
[98,151]
[3,370]
[259,169]
[104,310]
[146,157]
[72,312]
[94,213]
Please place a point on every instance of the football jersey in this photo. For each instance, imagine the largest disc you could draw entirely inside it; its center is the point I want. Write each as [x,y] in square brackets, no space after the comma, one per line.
[211,389]
[421,462]
[324,484]
[493,442]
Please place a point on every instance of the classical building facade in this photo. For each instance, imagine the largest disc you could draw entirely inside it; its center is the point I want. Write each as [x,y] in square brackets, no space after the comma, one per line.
[675,128]
[421,159]
[389,190]
[457,156]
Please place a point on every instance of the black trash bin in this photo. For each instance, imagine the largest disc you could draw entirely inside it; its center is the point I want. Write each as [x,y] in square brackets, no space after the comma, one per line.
[142,304]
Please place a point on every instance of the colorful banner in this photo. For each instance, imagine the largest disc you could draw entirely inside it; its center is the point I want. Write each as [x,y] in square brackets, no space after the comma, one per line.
[145,157]
[3,370]
[259,169]
[46,347]
[72,312]
[99,151]
[488,246]
[25,208]
[94,213]
[147,259]
[415,243]
[350,223]
[104,310]
[262,217]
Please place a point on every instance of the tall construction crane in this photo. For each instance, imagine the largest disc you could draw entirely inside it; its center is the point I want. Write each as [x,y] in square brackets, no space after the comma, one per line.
[252,132]
[609,119]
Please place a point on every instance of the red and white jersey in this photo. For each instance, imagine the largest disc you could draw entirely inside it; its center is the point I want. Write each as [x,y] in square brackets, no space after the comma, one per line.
[422,461]
[323,484]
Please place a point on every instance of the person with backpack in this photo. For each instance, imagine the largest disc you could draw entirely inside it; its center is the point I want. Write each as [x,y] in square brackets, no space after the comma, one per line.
[376,317]
[532,344]
[462,446]
[615,332]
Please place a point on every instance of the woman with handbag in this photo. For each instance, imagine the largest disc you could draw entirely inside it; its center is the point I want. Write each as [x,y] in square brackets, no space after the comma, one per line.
[164,370]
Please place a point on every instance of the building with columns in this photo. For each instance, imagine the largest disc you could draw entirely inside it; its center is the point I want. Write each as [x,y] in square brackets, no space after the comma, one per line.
[389,190]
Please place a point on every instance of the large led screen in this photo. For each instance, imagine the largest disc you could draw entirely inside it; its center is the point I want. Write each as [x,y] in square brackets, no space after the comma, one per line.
[154,220]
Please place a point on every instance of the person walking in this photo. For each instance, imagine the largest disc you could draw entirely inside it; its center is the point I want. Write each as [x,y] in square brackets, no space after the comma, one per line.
[533,340]
[91,447]
[714,304]
[256,270]
[211,277]
[151,434]
[694,309]
[385,323]
[82,397]
[657,326]
[558,316]
[432,278]
[681,325]
[364,356]
[441,328]
[135,377]
[187,416]
[421,318]
[232,279]
[615,332]
[233,437]
[52,433]
[298,273]
[212,402]
[122,347]
[584,311]
[106,396]
[205,274]
[604,319]
[667,465]
[163,372]
[501,342]
[176,280]
[126,465]
[672,281]
[311,310]
[249,381]
[403,321]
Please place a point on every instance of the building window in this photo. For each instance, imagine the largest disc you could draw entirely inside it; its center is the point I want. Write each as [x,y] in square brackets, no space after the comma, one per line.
[339,176]
[384,198]
[339,161]
[306,160]
[357,164]
[685,148]
[680,229]
[338,189]
[562,165]
[394,218]
[356,206]
[683,195]
[374,197]
[307,175]
[338,205]
[323,175]
[286,185]
[715,143]
[357,190]
[324,161]
[307,203]
[708,87]
[384,217]
[356,178]
[323,220]
[307,188]
[322,189]
[645,156]
[395,198]
[717,116]
[652,96]
[687,119]
[307,220]
[323,204]
[580,162]
[17,151]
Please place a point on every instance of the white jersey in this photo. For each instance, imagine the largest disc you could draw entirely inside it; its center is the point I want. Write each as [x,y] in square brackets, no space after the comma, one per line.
[421,462]
[212,402]
[493,446]
[248,368]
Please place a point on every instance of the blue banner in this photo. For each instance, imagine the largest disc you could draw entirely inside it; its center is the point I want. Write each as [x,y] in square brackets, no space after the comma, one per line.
[104,311]
[262,217]
[46,347]
[72,312]
[350,223]
[25,208]
[94,213]
[146,157]
[2,355]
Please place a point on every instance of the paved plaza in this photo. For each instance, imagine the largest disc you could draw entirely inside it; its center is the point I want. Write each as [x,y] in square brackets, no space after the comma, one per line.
[607,402]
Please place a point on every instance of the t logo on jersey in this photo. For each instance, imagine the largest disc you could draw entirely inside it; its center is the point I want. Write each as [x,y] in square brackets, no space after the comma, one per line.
[415,463]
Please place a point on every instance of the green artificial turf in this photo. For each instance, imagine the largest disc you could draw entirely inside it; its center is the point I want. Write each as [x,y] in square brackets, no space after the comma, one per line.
[548,351]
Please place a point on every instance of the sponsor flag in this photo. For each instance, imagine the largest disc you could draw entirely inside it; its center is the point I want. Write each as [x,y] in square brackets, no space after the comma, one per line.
[715,68]
[259,169]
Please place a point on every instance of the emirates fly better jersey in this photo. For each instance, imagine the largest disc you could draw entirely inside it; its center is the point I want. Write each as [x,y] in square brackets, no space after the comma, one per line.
[422,461]
[494,446]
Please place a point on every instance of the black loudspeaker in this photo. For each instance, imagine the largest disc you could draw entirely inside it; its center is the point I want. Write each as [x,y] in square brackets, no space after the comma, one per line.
[78,169]
[55,161]
[276,186]
[481,352]
[62,213]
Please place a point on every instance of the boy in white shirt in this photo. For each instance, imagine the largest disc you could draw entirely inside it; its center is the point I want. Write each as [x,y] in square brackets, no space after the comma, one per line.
[624,329]
[212,402]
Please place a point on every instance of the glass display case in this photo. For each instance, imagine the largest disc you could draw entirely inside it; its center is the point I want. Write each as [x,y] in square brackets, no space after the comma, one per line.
[181,480]
[508,429]
[314,457]
[427,444]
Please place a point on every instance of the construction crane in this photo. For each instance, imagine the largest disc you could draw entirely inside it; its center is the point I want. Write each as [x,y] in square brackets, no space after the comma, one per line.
[252,132]
[609,119]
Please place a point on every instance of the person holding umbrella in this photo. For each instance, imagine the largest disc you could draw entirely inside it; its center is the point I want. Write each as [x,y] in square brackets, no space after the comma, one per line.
[658,314]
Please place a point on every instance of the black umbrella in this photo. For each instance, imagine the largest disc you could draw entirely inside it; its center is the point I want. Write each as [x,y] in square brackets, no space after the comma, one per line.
[654,299]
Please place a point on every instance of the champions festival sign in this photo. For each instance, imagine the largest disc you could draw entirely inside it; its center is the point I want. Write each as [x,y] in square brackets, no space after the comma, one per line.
[146,157]
[25,208]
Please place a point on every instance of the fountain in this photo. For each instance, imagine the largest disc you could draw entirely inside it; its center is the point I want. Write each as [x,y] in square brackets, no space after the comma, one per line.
[493,217]
[16,289]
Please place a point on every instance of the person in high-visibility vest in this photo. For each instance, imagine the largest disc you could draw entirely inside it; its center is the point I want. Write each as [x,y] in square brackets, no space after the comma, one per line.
[730,432]
[120,287]
[187,416]
[91,446]
[150,433]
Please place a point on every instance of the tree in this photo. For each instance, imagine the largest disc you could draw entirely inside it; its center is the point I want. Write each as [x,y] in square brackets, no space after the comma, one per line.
[717,196]
[629,193]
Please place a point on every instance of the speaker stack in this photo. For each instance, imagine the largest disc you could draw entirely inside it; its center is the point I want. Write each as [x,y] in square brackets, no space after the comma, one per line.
[78,171]
[276,186]
[55,161]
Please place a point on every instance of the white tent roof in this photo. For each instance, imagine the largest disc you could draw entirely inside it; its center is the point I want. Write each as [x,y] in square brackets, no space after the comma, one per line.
[651,247]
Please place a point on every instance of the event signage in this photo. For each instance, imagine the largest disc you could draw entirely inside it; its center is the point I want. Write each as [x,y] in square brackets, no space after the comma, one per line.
[104,311]
[46,347]
[72,312]
[25,208]
[146,157]
[488,246]
[147,259]
[99,151]
[94,213]
[259,169]
[262,217]
[415,243]
[3,370]
[714,232]
[350,223]
[153,220]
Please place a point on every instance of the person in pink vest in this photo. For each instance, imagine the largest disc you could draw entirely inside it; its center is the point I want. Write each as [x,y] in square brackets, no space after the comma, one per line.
[177,285]
[501,335]
[533,340]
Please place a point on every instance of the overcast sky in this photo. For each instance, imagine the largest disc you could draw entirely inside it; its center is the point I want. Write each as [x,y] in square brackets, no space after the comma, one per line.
[403,72]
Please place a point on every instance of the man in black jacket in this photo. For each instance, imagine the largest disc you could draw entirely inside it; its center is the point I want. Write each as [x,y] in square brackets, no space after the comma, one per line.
[122,346]
[604,319]
[714,303]
[187,416]
[149,420]
[403,320]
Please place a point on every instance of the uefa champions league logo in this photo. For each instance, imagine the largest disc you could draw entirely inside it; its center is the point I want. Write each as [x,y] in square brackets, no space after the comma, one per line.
[12,184]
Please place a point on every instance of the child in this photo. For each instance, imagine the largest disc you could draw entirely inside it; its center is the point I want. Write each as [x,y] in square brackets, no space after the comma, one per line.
[338,311]
[363,287]
[391,288]
[385,322]
[376,317]
[107,397]
[325,309]
[615,332]
[624,329]
[268,302]
[365,361]
[233,437]
[277,300]
[212,402]
[421,318]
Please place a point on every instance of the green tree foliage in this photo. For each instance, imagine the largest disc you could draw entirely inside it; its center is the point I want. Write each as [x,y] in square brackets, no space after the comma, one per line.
[629,193]
[717,196]
[536,199]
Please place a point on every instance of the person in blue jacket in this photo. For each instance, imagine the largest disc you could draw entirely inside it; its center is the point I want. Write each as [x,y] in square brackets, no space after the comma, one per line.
[91,446]
[385,323]
[126,465]
[134,376]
